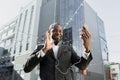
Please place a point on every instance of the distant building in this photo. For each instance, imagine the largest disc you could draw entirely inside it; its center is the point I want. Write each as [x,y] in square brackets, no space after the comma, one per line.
[115,70]
[104,49]
[26,39]
[7,36]
[98,45]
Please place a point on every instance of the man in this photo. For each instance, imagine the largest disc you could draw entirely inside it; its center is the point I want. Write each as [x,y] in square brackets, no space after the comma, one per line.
[55,59]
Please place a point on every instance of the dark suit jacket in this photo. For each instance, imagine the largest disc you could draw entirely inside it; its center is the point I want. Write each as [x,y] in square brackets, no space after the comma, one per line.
[56,69]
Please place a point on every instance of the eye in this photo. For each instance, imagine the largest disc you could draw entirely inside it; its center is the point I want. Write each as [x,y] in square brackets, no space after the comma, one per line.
[60,31]
[54,30]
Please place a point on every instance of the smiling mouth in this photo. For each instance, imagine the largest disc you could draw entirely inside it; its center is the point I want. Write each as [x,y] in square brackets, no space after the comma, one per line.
[57,38]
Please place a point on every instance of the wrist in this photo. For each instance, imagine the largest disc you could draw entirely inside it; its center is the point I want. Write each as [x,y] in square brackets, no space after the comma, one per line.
[87,50]
[44,50]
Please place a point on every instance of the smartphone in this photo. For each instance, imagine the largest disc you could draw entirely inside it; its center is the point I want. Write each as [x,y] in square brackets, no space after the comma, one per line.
[86,26]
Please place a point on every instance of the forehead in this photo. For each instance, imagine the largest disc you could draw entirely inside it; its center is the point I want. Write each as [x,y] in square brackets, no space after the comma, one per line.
[57,27]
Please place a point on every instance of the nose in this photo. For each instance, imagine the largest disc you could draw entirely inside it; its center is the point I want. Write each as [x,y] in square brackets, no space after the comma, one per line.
[57,32]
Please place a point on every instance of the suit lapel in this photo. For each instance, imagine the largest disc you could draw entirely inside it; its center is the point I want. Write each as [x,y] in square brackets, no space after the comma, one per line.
[59,51]
[52,53]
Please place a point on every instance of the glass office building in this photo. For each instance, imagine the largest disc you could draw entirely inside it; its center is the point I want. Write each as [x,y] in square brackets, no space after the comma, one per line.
[104,49]
[72,15]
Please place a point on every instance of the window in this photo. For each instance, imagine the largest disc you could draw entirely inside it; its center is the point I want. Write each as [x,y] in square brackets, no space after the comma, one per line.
[13,58]
[31,16]
[4,35]
[2,44]
[20,20]
[10,31]
[67,36]
[113,69]
[24,23]
[8,42]
[27,46]
[29,28]
[12,24]
[20,48]
[14,51]
[10,49]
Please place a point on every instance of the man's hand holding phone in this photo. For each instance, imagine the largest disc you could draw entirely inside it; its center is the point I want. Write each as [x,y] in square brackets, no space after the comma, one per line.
[86,37]
[48,44]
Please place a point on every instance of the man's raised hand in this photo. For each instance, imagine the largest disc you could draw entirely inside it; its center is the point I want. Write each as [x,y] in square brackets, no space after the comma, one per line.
[48,44]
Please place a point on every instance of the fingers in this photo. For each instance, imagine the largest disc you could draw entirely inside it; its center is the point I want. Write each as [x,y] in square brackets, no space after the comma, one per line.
[84,33]
[48,45]
[47,35]
[48,40]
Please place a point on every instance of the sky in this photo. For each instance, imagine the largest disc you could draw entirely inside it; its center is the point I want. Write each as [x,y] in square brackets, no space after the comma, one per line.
[107,10]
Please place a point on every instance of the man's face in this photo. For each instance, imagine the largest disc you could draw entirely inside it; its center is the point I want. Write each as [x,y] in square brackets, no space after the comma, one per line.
[57,34]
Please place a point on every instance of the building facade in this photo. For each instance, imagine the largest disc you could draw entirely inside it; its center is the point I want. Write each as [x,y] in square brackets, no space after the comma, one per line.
[115,71]
[7,36]
[26,39]
[104,49]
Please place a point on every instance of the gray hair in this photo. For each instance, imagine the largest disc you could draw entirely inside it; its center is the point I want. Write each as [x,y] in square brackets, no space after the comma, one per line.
[51,27]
